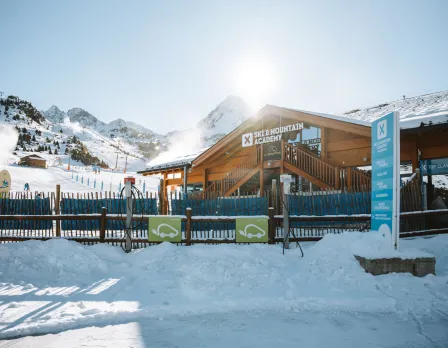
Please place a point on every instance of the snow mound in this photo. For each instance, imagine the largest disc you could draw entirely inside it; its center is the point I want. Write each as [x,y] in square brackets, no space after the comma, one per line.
[64,262]
[97,285]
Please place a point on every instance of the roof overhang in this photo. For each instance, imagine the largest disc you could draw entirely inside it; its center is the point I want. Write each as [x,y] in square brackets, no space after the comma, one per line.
[165,168]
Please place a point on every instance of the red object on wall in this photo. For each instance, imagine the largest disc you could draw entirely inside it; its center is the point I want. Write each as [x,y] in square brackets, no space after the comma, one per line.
[132,180]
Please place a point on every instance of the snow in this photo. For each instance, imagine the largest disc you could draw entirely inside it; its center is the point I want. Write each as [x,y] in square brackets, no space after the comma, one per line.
[170,159]
[413,111]
[45,180]
[216,295]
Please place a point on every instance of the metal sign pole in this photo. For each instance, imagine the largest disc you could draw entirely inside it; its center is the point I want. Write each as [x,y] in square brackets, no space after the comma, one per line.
[128,234]
[285,221]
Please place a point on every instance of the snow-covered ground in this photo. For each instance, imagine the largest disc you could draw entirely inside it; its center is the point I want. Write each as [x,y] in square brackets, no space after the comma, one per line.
[218,296]
[45,180]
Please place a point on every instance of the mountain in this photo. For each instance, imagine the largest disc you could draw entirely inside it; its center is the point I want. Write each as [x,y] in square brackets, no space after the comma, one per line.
[54,129]
[84,118]
[228,115]
[52,135]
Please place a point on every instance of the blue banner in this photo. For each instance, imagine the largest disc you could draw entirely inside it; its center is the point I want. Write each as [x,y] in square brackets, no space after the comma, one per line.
[385,176]
[434,166]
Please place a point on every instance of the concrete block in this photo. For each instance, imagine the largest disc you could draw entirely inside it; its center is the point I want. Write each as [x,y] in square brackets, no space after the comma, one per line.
[419,266]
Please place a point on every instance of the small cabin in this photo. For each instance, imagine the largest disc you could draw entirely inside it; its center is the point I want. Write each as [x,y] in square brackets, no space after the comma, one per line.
[33,161]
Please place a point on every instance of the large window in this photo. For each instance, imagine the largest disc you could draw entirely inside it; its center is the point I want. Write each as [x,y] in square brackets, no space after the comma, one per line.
[309,138]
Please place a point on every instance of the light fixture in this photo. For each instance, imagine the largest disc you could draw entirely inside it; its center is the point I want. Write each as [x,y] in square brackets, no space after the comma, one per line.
[365,158]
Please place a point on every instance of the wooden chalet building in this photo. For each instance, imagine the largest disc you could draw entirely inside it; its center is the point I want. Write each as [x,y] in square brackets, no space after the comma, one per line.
[33,161]
[321,151]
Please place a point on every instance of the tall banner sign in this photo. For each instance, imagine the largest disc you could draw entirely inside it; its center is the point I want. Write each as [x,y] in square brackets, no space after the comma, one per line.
[164,229]
[386,177]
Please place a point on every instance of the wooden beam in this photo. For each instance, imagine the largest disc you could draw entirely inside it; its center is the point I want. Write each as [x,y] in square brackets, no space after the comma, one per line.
[323,142]
[320,121]
[342,145]
[414,156]
[205,181]
[261,171]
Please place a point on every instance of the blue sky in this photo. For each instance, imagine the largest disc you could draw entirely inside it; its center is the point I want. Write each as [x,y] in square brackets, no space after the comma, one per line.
[166,64]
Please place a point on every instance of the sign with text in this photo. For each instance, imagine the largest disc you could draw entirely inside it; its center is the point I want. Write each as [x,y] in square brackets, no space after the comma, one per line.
[164,229]
[434,166]
[386,177]
[272,151]
[268,135]
[251,230]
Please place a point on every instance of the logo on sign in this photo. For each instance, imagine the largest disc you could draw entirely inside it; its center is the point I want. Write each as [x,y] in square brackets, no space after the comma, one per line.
[382,129]
[248,139]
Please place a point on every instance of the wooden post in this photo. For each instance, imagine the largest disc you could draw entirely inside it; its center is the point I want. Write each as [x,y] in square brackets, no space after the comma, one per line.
[261,172]
[349,178]
[57,210]
[323,143]
[271,228]
[185,181]
[165,194]
[188,227]
[414,156]
[337,178]
[103,225]
[275,195]
[205,182]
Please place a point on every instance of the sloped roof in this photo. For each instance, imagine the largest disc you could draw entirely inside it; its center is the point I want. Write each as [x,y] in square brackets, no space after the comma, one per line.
[35,157]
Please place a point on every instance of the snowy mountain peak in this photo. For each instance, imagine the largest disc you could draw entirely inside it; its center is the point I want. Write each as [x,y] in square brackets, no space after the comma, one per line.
[84,118]
[54,114]
[228,115]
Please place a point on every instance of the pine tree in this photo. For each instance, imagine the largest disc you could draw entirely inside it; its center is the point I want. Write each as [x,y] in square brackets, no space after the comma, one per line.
[49,151]
[24,130]
[66,151]
[55,151]
[34,138]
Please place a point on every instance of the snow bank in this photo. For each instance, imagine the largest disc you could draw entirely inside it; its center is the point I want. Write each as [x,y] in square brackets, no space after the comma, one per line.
[58,285]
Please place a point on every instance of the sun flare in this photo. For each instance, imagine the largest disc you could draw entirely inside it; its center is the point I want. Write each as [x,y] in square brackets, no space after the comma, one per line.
[255,80]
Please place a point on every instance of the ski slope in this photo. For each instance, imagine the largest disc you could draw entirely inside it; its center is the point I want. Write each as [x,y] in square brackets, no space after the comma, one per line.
[219,296]
[45,180]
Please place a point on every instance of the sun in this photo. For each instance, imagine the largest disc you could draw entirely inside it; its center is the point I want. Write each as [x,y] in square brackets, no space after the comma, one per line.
[255,80]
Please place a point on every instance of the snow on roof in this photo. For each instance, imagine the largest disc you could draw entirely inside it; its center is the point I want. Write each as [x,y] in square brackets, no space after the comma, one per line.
[36,157]
[168,161]
[429,108]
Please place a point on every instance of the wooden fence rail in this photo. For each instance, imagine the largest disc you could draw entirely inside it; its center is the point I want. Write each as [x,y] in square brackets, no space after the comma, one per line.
[305,228]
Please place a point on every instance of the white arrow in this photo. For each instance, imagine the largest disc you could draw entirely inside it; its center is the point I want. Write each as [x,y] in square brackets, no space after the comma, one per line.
[162,234]
[252,235]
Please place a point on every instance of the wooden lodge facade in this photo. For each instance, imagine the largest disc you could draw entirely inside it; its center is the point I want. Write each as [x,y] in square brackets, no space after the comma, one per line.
[320,151]
[33,161]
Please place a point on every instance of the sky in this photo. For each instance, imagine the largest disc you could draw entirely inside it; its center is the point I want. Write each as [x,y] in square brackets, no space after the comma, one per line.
[167,64]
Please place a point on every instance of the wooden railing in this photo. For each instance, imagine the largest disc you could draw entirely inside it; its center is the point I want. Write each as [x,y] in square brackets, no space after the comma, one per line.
[359,180]
[311,164]
[335,177]
[218,188]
